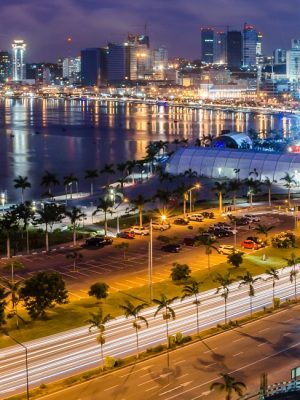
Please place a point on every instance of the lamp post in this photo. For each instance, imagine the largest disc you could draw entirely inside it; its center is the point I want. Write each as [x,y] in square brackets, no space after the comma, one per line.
[26,363]
[3,199]
[189,194]
[150,262]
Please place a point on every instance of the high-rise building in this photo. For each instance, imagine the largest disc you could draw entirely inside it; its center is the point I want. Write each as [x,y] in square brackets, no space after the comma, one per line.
[234,49]
[220,48]
[138,57]
[259,47]
[249,46]
[72,69]
[117,63]
[91,67]
[207,45]
[159,63]
[138,39]
[279,56]
[19,48]
[5,66]
[293,61]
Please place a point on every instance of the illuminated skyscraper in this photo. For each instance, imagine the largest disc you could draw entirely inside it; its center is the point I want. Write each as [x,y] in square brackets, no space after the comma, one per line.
[220,48]
[249,46]
[5,66]
[19,48]
[207,45]
[293,61]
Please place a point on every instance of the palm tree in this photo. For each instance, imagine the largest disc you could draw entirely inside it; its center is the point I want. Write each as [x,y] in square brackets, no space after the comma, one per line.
[50,214]
[193,289]
[164,305]
[269,184]
[273,274]
[25,212]
[122,168]
[8,224]
[209,245]
[163,196]
[68,182]
[182,191]
[189,173]
[99,320]
[289,182]
[139,202]
[234,185]
[75,215]
[235,259]
[263,229]
[13,291]
[108,170]
[224,281]
[91,175]
[249,280]
[254,173]
[76,257]
[253,188]
[228,386]
[220,188]
[21,182]
[292,262]
[237,173]
[131,311]
[49,180]
[130,167]
[105,206]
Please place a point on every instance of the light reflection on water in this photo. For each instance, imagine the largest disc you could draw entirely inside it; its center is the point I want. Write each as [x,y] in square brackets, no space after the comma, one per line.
[70,136]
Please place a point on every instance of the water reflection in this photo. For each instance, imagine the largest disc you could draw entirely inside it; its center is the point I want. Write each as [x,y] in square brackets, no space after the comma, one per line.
[70,136]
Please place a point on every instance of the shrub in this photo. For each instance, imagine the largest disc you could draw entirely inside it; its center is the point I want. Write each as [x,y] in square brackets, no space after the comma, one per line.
[156,349]
[180,272]
[178,337]
[276,302]
[172,341]
[110,362]
[99,290]
[284,240]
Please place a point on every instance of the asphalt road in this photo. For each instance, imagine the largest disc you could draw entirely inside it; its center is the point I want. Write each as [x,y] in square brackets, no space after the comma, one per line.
[64,354]
[107,264]
[270,345]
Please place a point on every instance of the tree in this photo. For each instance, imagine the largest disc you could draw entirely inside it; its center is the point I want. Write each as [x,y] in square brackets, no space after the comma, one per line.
[139,202]
[99,290]
[49,180]
[220,188]
[76,257]
[43,291]
[289,182]
[91,175]
[25,213]
[123,246]
[50,214]
[8,224]
[209,245]
[263,230]
[193,289]
[249,280]
[237,173]
[182,191]
[228,386]
[131,311]
[235,259]
[253,188]
[99,320]
[292,261]
[273,274]
[130,168]
[75,215]
[269,184]
[108,170]
[234,185]
[122,168]
[163,196]
[224,281]
[22,182]
[164,305]
[68,182]
[3,304]
[180,272]
[105,206]
[190,174]
[13,289]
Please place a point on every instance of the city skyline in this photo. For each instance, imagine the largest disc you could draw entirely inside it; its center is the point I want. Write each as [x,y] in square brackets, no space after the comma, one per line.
[46,27]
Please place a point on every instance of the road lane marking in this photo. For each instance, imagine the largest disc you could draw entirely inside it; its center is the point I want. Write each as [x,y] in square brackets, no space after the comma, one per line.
[238,354]
[210,351]
[112,387]
[152,388]
[179,362]
[263,330]
[237,340]
[210,365]
[261,344]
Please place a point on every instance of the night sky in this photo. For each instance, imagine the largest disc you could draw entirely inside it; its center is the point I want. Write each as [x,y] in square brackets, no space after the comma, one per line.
[46,24]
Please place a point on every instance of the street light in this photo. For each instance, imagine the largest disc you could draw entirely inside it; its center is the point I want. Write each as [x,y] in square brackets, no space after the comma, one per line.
[150,261]
[3,199]
[26,362]
[188,193]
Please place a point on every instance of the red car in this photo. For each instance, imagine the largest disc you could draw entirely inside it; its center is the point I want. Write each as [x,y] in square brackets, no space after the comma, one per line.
[126,235]
[249,244]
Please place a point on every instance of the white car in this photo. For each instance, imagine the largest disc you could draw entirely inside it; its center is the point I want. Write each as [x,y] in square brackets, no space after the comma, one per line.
[252,218]
[160,226]
[140,230]
[196,217]
[226,249]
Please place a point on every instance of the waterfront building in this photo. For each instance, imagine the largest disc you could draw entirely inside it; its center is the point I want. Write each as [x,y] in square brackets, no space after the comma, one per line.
[91,66]
[234,49]
[159,63]
[207,45]
[5,66]
[220,48]
[224,163]
[117,64]
[19,48]
[259,55]
[279,56]
[249,46]
[72,69]
[293,61]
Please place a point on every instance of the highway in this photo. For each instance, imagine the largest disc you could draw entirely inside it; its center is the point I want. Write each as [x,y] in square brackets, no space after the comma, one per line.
[64,354]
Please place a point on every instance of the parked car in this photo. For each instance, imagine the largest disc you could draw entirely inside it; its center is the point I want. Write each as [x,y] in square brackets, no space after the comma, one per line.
[98,241]
[257,240]
[242,221]
[189,241]
[126,235]
[226,249]
[140,230]
[196,217]
[249,244]
[207,235]
[160,226]
[207,214]
[171,248]
[181,221]
[252,218]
